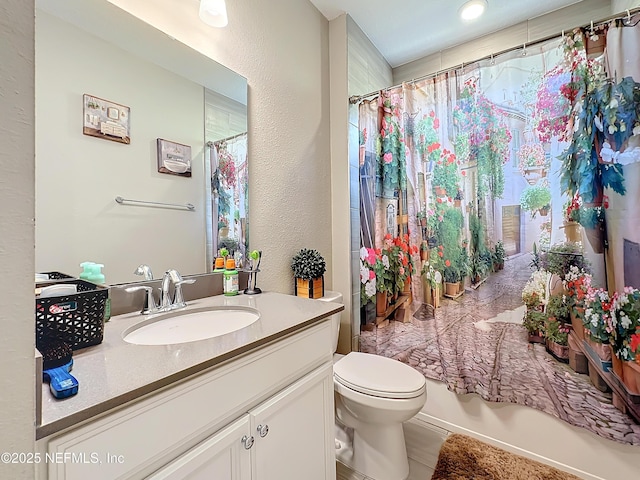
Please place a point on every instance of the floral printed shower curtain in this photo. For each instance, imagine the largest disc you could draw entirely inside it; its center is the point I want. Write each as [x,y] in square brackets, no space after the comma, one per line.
[511,186]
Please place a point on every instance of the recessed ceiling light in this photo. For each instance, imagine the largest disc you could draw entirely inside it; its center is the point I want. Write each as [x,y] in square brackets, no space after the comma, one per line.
[472,9]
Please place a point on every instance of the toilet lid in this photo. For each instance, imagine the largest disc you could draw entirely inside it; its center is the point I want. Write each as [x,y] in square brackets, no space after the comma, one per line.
[378,376]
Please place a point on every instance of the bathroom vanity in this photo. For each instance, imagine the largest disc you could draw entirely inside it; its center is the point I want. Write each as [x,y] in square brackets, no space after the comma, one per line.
[256,403]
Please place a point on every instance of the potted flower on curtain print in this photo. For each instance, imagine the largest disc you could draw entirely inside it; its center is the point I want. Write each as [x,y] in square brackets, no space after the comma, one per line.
[445,175]
[623,327]
[367,275]
[403,262]
[390,150]
[596,321]
[536,199]
[594,119]
[428,140]
[624,321]
[487,134]
[553,105]
[576,283]
[532,162]
[368,286]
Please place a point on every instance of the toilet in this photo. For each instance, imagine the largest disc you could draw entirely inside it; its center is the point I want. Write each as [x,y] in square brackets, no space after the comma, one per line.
[374,395]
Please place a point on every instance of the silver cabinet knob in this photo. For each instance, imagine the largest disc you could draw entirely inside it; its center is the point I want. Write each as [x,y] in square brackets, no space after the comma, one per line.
[263,430]
[247,442]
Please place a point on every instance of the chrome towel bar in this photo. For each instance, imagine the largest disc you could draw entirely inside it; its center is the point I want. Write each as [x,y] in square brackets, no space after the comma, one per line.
[186,206]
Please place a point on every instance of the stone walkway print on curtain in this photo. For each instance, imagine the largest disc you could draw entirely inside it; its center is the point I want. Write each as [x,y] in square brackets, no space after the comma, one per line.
[522,175]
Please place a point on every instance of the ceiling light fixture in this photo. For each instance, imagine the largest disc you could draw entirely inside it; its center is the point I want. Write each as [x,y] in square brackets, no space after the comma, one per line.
[472,9]
[214,13]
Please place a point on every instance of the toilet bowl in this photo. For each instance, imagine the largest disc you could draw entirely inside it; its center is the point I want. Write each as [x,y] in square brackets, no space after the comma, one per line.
[373,396]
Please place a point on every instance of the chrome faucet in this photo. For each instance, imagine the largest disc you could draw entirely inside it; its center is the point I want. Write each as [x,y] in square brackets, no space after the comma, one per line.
[145,271]
[172,276]
[166,303]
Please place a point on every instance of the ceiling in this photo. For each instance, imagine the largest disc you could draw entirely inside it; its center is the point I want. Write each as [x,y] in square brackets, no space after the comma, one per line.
[405,30]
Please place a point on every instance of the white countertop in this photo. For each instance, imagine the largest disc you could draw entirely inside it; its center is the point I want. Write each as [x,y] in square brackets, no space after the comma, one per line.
[116,372]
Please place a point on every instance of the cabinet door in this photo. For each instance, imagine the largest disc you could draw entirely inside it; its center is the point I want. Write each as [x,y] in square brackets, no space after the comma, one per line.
[294,431]
[224,455]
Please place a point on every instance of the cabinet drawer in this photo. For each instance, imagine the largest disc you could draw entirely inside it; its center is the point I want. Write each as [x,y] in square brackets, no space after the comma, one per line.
[136,439]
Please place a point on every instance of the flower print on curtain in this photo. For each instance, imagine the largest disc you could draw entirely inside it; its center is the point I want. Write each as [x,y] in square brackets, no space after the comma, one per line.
[390,147]
[482,127]
[367,134]
[473,140]
[593,121]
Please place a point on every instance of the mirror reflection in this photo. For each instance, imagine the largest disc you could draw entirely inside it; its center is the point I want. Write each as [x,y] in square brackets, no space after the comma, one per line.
[166,91]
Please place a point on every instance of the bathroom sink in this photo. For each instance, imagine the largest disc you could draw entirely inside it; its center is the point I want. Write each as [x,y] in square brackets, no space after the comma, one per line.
[191,325]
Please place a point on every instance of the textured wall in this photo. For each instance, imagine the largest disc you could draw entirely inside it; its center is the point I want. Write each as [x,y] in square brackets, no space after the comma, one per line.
[282,48]
[17,238]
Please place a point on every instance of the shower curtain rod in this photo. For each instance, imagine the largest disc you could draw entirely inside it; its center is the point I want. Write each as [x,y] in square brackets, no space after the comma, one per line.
[211,144]
[619,16]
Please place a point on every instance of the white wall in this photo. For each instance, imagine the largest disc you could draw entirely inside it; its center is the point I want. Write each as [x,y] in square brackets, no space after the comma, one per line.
[79,176]
[544,26]
[618,6]
[282,48]
[17,377]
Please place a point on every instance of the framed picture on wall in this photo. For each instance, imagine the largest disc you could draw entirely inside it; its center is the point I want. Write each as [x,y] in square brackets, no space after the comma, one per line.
[105,119]
[174,158]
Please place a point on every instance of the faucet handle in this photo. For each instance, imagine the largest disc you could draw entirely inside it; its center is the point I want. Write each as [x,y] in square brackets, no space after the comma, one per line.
[178,299]
[149,302]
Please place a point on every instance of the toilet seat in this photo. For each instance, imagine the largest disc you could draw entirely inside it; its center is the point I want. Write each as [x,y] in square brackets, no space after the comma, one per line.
[378,376]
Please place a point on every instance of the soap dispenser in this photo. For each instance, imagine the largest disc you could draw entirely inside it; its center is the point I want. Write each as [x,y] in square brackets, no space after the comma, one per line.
[230,278]
[92,272]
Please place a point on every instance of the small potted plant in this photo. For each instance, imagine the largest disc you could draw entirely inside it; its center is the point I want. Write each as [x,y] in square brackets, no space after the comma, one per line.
[592,219]
[557,308]
[562,256]
[308,269]
[534,291]
[499,255]
[422,217]
[534,323]
[597,319]
[424,251]
[536,199]
[556,339]
[457,200]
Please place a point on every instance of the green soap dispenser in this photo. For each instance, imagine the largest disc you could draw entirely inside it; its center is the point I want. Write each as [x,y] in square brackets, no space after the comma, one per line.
[92,272]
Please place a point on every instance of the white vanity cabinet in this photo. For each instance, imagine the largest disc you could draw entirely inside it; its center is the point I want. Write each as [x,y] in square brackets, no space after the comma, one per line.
[266,415]
[279,439]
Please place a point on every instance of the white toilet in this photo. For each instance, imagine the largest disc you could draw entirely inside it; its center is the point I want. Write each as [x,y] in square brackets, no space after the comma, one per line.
[373,396]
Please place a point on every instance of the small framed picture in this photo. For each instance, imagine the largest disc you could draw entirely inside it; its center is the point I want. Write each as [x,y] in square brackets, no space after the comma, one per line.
[105,119]
[174,158]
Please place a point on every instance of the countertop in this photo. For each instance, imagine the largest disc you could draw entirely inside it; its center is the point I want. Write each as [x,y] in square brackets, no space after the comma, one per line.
[116,372]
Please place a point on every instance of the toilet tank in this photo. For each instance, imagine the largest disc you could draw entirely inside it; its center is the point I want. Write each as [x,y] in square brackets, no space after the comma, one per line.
[336,297]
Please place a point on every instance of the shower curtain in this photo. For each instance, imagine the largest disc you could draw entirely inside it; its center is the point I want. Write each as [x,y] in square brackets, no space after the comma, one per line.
[478,170]
[229,186]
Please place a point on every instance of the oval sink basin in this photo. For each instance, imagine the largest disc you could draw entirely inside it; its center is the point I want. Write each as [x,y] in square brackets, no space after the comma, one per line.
[191,326]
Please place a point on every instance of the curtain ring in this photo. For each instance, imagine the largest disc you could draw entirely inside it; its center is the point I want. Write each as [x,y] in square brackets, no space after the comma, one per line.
[628,17]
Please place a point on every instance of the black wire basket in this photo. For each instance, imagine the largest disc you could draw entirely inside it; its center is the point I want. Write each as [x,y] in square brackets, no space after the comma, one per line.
[76,319]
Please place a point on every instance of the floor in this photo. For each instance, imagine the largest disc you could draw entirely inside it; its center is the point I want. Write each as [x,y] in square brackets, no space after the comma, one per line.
[476,344]
[423,444]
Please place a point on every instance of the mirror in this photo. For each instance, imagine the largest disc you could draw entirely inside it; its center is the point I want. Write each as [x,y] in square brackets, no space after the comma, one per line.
[109,88]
